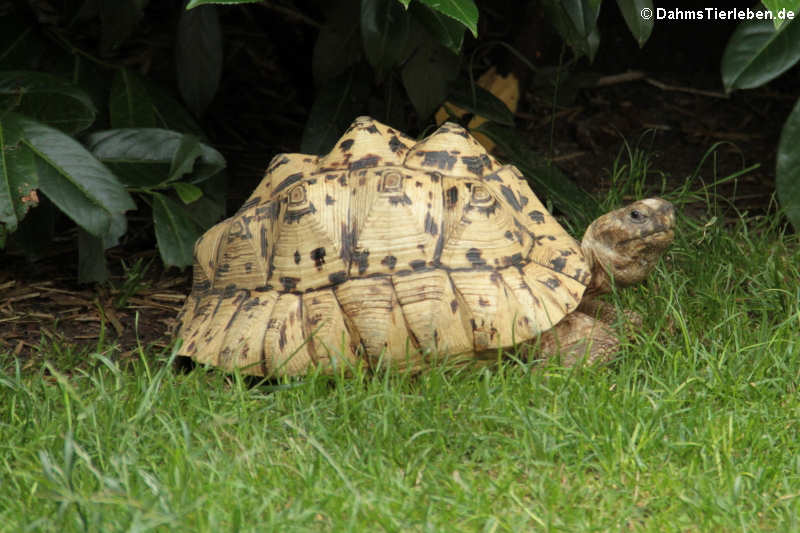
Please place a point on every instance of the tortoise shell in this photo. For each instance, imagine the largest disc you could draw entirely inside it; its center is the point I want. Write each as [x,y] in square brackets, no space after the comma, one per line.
[385,249]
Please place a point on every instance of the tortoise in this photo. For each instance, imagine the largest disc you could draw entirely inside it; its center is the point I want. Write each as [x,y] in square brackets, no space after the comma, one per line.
[396,252]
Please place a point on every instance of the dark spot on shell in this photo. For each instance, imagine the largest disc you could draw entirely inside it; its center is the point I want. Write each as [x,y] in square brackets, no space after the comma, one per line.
[551,283]
[329,200]
[418,183]
[395,145]
[486,161]
[389,261]
[282,336]
[483,302]
[202,286]
[223,268]
[440,159]
[473,324]
[511,198]
[400,200]
[516,259]
[523,200]
[360,257]
[296,257]
[371,129]
[248,267]
[249,203]
[291,216]
[558,264]
[508,235]
[474,164]
[338,277]
[474,257]
[263,242]
[451,197]
[453,305]
[343,180]
[417,264]
[536,216]
[495,278]
[318,256]
[289,283]
[435,176]
[367,161]
[346,145]
[289,180]
[277,162]
[430,225]
[493,177]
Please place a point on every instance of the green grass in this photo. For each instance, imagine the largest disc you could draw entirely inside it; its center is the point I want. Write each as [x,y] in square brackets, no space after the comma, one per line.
[694,428]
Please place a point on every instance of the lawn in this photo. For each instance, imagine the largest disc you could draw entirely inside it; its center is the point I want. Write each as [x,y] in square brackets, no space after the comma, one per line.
[693,428]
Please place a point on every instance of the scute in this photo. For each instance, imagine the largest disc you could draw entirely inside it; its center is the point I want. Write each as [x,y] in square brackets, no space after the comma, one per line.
[384,251]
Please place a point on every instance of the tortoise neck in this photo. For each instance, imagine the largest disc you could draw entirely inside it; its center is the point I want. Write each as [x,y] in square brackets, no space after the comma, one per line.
[600,282]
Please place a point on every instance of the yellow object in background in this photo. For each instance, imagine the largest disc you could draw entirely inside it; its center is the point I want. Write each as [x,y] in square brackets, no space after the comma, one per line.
[505,88]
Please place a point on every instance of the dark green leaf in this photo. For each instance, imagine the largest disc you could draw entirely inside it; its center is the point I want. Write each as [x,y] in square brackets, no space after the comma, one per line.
[576,22]
[757,53]
[210,208]
[787,174]
[546,180]
[464,11]
[198,56]
[171,114]
[48,99]
[189,149]
[118,19]
[481,103]
[176,233]
[336,105]
[640,27]
[187,192]
[18,176]
[77,183]
[144,157]
[780,8]
[195,3]
[338,44]
[448,31]
[384,31]
[427,75]
[20,44]
[129,103]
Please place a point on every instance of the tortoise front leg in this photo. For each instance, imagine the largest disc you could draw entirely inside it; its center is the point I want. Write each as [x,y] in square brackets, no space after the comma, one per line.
[579,338]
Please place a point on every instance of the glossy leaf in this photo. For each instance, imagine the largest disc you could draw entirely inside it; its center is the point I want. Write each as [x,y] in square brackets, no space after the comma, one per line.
[464,11]
[547,181]
[187,192]
[336,105]
[640,27]
[787,173]
[427,75]
[129,102]
[198,56]
[146,157]
[210,208]
[18,178]
[77,183]
[757,53]
[576,22]
[481,102]
[92,265]
[448,31]
[48,99]
[175,231]
[194,3]
[384,32]
[779,8]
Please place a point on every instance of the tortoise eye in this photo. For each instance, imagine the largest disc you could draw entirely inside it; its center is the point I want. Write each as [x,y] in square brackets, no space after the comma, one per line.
[637,216]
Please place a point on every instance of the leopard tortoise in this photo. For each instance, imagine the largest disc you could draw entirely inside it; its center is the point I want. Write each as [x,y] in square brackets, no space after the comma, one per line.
[393,252]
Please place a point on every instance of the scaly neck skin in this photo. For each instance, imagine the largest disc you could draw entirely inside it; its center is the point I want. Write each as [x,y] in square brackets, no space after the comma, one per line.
[600,282]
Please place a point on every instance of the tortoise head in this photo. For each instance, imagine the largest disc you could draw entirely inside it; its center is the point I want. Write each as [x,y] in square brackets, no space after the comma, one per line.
[623,246]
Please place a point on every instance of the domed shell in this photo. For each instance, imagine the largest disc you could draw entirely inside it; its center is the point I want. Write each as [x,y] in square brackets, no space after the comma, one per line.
[385,250]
